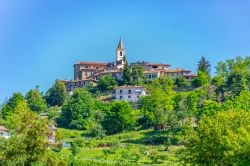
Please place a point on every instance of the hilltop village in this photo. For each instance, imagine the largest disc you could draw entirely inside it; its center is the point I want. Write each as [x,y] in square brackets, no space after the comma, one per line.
[86,73]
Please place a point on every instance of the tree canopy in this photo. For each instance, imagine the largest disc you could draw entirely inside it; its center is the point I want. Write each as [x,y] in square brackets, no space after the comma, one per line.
[219,140]
[56,95]
[36,101]
[28,142]
[106,83]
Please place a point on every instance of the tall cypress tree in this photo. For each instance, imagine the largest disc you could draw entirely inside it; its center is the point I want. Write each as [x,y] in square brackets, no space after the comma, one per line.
[204,66]
[126,73]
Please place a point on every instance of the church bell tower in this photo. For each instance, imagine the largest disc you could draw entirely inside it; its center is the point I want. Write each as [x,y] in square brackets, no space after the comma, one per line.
[120,51]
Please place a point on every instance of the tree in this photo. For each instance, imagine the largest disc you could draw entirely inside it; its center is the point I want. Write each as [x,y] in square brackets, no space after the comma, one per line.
[56,95]
[241,102]
[201,80]
[236,82]
[137,74]
[77,110]
[10,107]
[182,82]
[120,117]
[28,142]
[106,83]
[147,107]
[222,139]
[35,101]
[204,66]
[127,79]
[161,103]
[210,108]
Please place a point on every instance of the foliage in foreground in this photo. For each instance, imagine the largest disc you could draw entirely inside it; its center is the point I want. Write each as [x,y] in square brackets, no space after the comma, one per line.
[223,139]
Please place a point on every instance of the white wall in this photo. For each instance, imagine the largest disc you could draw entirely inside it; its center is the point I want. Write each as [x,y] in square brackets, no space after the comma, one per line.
[123,93]
[4,134]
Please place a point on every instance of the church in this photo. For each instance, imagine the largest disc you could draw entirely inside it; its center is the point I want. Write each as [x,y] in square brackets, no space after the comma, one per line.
[89,72]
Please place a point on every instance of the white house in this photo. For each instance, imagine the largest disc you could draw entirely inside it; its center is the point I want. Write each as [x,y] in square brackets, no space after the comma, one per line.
[129,93]
[4,132]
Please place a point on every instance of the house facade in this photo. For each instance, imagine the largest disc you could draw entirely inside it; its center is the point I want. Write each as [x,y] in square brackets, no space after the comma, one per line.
[129,93]
[4,132]
[73,84]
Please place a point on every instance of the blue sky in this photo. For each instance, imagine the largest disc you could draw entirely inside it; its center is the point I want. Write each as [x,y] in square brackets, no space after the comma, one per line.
[41,40]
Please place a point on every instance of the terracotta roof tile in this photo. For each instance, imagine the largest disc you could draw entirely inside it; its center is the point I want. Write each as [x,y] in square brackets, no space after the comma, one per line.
[155,64]
[92,63]
[2,128]
[129,86]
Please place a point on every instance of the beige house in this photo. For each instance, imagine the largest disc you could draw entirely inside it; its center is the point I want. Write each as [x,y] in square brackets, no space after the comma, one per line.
[154,74]
[4,132]
[129,93]
[73,84]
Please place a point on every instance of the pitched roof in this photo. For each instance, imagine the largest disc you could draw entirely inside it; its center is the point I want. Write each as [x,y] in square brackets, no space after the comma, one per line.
[86,79]
[128,86]
[91,63]
[2,128]
[191,75]
[120,45]
[155,64]
[175,70]
[151,71]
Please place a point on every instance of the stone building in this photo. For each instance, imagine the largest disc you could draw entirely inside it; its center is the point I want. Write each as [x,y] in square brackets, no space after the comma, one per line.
[87,72]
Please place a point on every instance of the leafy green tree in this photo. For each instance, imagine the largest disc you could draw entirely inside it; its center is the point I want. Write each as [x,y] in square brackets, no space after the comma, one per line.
[106,83]
[161,94]
[10,107]
[137,74]
[56,95]
[201,80]
[193,102]
[182,82]
[77,110]
[237,82]
[204,66]
[28,142]
[219,83]
[241,102]
[147,107]
[210,108]
[35,101]
[120,117]
[222,139]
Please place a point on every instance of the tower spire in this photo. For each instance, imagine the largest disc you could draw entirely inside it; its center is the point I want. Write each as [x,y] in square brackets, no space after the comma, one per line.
[120,45]
[120,51]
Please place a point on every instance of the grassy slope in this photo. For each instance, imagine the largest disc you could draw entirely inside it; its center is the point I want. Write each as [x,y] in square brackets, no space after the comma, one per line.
[127,147]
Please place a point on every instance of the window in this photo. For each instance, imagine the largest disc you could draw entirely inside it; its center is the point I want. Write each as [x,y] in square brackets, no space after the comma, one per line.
[120,91]
[86,67]
[120,97]
[129,97]
[129,91]
[120,53]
